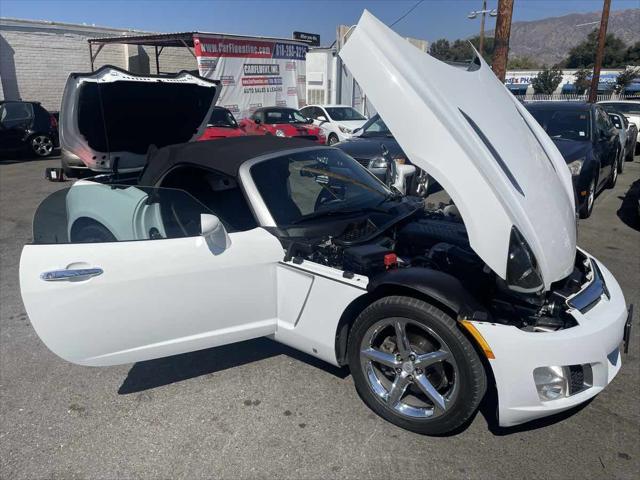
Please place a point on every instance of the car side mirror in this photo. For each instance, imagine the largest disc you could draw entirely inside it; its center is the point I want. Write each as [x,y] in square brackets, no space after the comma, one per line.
[257,121]
[213,231]
[321,118]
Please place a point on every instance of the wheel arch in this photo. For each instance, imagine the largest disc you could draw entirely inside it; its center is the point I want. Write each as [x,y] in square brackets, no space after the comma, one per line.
[431,286]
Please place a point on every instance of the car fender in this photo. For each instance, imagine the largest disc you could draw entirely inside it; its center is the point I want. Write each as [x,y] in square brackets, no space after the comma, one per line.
[441,287]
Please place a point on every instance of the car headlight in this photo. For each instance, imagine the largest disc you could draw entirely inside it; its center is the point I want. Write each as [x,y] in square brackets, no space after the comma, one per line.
[344,129]
[378,162]
[280,133]
[523,272]
[576,166]
[551,382]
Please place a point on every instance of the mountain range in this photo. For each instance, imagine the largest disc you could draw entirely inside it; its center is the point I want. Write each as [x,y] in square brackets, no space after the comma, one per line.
[550,39]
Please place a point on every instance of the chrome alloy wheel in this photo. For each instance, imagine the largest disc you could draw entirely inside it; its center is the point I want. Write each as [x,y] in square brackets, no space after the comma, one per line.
[41,145]
[409,368]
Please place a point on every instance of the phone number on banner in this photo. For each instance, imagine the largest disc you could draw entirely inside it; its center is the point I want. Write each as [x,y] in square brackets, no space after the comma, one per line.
[289,50]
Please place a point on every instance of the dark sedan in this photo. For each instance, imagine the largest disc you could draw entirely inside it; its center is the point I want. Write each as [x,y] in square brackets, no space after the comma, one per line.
[27,126]
[374,146]
[588,142]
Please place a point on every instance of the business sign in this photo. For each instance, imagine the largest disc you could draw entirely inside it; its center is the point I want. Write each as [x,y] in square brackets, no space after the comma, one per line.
[313,39]
[253,72]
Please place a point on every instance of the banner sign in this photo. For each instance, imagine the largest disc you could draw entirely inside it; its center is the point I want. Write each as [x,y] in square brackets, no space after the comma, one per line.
[254,72]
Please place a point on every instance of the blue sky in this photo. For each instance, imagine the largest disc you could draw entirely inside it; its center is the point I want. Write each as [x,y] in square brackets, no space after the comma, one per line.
[432,19]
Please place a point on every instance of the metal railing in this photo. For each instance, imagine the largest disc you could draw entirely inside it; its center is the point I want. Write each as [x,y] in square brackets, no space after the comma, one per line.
[572,97]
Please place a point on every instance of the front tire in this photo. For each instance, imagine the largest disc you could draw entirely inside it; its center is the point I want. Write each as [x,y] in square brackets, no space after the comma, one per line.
[613,177]
[332,139]
[413,366]
[587,206]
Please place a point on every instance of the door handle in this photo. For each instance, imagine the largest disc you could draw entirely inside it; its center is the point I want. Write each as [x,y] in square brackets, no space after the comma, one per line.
[70,274]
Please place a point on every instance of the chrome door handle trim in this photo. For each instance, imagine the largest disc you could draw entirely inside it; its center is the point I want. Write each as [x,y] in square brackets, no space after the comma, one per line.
[71,274]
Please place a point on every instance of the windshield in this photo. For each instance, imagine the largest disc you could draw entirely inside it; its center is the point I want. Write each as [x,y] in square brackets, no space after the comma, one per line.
[375,127]
[566,124]
[627,108]
[221,117]
[316,183]
[341,114]
[284,115]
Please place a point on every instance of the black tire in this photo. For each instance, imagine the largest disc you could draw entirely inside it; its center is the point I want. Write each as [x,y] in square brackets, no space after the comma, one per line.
[463,389]
[587,206]
[621,164]
[629,157]
[332,139]
[613,176]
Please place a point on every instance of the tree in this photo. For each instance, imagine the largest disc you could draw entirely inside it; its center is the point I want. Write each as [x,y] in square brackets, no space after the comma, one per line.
[547,80]
[524,63]
[441,49]
[582,80]
[625,78]
[459,50]
[632,55]
[583,55]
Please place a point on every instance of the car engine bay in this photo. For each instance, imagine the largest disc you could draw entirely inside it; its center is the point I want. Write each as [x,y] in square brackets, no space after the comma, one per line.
[434,239]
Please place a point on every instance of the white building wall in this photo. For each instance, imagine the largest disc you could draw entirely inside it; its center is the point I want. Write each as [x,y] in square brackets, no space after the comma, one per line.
[36,58]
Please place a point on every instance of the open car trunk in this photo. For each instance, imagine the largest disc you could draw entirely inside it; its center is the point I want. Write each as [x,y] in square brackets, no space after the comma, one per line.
[110,118]
[467,131]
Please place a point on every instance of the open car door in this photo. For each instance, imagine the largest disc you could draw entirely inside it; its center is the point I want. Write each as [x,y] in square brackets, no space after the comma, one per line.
[118,274]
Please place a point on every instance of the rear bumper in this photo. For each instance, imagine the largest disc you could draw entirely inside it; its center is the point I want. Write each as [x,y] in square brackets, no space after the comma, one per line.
[595,341]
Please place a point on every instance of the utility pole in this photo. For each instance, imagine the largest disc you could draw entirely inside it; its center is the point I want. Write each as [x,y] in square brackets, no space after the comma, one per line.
[602,37]
[481,43]
[501,38]
[483,12]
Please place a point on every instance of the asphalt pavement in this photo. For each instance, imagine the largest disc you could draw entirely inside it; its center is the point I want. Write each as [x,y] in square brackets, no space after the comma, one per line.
[259,409]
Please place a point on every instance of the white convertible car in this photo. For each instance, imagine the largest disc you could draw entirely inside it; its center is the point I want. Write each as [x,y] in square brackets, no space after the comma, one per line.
[222,241]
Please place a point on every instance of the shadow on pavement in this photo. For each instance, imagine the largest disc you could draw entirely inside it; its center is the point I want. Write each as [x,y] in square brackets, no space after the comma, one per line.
[628,211]
[164,371]
[22,157]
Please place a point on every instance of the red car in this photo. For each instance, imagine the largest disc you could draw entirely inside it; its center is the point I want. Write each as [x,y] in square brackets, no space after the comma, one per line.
[222,124]
[282,122]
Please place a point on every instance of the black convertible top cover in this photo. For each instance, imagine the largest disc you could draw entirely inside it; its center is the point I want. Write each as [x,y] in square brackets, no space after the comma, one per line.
[225,155]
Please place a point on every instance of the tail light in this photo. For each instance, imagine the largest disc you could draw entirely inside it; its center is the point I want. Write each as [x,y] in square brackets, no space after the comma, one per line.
[52,121]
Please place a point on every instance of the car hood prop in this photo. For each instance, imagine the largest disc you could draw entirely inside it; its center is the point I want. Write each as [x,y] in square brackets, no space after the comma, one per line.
[464,128]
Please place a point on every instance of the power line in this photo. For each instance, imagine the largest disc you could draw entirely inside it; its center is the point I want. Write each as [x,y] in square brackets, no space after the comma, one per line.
[407,13]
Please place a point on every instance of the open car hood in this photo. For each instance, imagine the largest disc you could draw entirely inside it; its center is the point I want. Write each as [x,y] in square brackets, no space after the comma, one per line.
[109,118]
[467,131]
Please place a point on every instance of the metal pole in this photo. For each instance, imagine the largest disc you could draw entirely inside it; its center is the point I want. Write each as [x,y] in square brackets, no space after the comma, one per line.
[602,36]
[501,40]
[484,10]
[91,55]
[157,60]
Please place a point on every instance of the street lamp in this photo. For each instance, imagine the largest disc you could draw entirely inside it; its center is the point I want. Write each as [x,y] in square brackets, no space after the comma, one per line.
[474,14]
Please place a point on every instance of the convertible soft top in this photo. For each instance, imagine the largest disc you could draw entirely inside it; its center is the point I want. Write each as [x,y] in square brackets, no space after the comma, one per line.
[225,155]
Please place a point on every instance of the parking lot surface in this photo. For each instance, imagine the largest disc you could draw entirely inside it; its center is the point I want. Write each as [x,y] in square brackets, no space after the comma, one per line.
[259,409]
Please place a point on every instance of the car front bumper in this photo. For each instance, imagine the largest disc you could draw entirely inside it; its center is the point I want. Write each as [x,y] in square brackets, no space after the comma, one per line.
[595,341]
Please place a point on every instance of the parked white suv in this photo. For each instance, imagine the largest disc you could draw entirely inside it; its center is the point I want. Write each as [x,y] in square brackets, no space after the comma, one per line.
[219,242]
[337,121]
